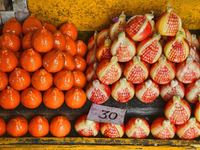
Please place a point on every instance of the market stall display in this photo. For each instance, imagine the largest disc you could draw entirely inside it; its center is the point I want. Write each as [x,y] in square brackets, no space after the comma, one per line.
[128,62]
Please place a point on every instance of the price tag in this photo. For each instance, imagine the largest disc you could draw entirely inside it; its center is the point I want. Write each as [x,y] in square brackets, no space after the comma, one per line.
[106,114]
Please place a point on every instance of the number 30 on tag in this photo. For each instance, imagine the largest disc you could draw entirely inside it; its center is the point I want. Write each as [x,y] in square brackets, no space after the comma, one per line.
[106,114]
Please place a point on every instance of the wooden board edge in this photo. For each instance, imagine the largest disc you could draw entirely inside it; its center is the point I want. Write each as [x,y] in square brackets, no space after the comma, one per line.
[96,141]
[92,147]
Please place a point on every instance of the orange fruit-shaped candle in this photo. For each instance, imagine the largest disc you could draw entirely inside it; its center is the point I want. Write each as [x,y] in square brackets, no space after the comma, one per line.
[10,41]
[17,126]
[79,78]
[26,41]
[80,63]
[81,48]
[31,60]
[75,98]
[59,41]
[60,126]
[31,98]
[42,80]
[53,98]
[19,79]
[69,61]
[49,26]
[42,40]
[9,98]
[70,46]
[64,80]
[38,126]
[70,30]
[2,127]
[12,26]
[53,61]
[31,24]
[3,80]
[8,60]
